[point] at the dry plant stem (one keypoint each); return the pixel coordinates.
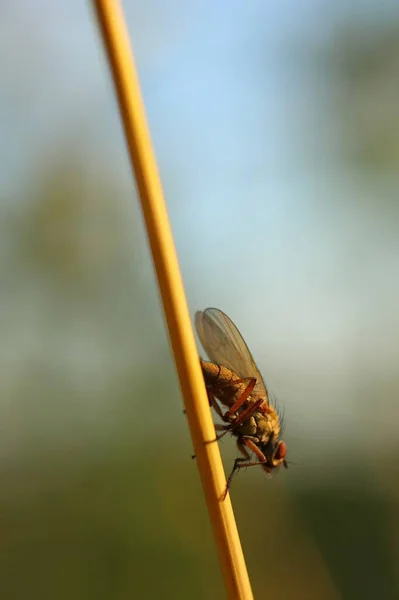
(119, 53)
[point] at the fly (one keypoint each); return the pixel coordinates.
(233, 381)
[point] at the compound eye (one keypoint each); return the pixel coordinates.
(281, 451)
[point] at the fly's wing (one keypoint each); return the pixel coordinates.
(225, 345)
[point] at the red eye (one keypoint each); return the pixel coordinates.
(281, 450)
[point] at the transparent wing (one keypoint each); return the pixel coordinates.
(225, 345)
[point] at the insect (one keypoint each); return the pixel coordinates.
(233, 380)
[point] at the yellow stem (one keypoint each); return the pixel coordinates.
(144, 165)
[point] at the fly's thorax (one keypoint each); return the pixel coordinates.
(248, 429)
(268, 426)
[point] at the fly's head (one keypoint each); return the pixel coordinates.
(275, 452)
(270, 427)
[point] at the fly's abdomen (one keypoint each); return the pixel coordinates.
(221, 381)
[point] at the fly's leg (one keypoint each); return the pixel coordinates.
(212, 390)
(243, 450)
(255, 449)
(224, 428)
(244, 396)
(214, 403)
(239, 403)
(236, 406)
(226, 416)
(246, 414)
(241, 418)
(233, 409)
(240, 463)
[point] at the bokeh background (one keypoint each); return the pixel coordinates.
(276, 128)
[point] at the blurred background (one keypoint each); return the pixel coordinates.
(276, 128)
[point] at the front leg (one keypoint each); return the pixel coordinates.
(240, 463)
(243, 444)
